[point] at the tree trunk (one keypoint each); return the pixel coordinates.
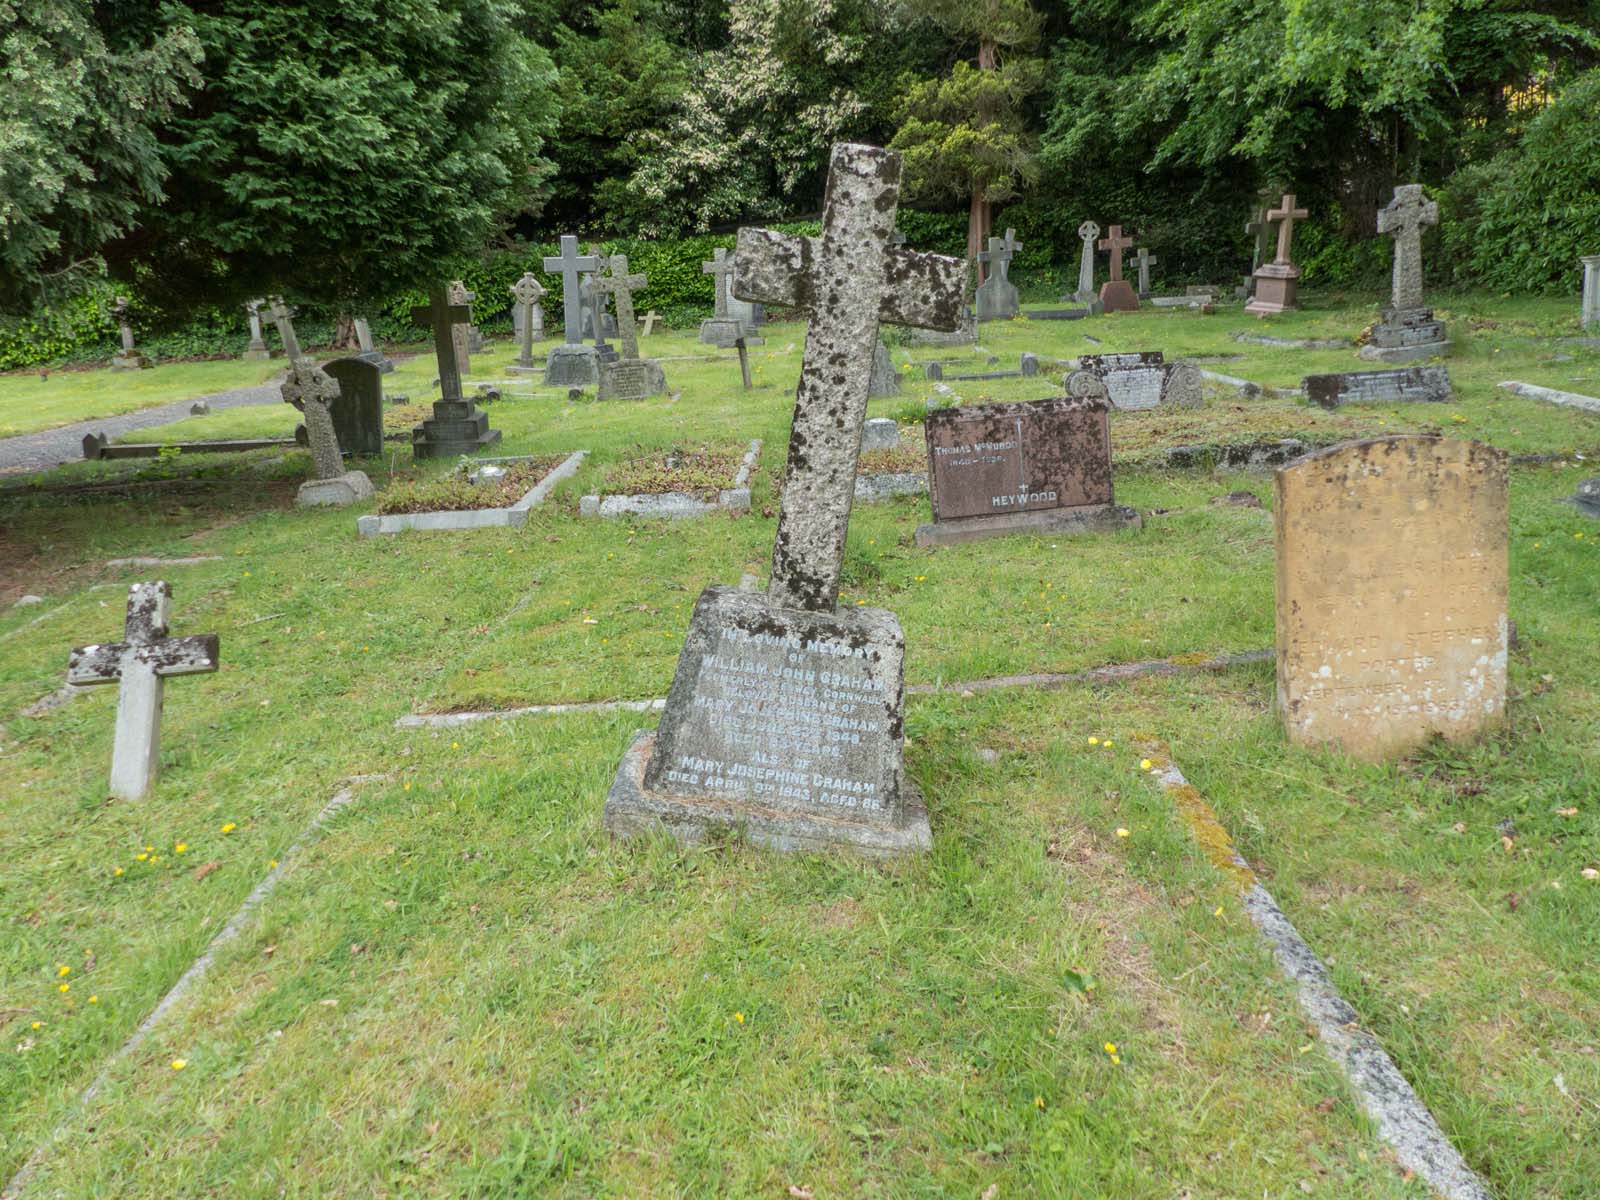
(979, 217)
(344, 332)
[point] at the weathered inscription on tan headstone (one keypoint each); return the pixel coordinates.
(1391, 621)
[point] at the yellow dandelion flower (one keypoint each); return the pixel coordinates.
(1145, 764)
(406, 787)
(1094, 741)
(1116, 1060)
(63, 970)
(149, 849)
(94, 999)
(141, 857)
(1108, 743)
(1121, 832)
(179, 1064)
(247, 574)
(1111, 1047)
(1038, 1102)
(455, 745)
(117, 871)
(860, 603)
(64, 988)
(739, 1017)
(1217, 912)
(272, 865)
(229, 827)
(180, 847)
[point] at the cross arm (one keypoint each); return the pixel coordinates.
(454, 314)
(772, 268)
(89, 665)
(196, 655)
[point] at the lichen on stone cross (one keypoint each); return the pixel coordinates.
(1115, 242)
(1405, 217)
(570, 264)
(623, 285)
(441, 316)
(720, 268)
(850, 278)
(312, 390)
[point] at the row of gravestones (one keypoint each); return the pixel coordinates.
(785, 716)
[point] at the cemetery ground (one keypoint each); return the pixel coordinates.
(460, 986)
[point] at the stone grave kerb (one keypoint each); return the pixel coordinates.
(570, 264)
(850, 279)
(139, 665)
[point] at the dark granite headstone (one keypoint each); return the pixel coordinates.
(1041, 466)
(358, 411)
(1404, 385)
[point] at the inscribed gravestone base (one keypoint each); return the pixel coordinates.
(1144, 379)
(785, 715)
(140, 665)
(1391, 593)
(1041, 466)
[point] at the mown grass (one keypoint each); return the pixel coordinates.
(35, 400)
(466, 989)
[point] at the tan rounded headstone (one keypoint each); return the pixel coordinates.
(1391, 621)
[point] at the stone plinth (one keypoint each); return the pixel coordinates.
(722, 332)
(1276, 288)
(631, 379)
(1391, 594)
(456, 427)
(572, 365)
(781, 723)
(343, 490)
(1117, 295)
(1406, 335)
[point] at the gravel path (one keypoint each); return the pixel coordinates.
(41, 451)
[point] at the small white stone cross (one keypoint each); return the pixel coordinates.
(140, 666)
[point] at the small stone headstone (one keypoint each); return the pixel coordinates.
(1043, 466)
(885, 379)
(140, 665)
(1590, 318)
(1392, 585)
(997, 296)
(879, 433)
(1403, 385)
(358, 410)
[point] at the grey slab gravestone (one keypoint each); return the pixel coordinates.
(885, 379)
(751, 317)
(997, 296)
(1408, 331)
(785, 715)
(1402, 385)
(358, 411)
(880, 433)
(1591, 292)
(572, 363)
(140, 664)
(314, 392)
(457, 426)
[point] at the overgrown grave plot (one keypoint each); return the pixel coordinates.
(1040, 999)
(478, 493)
(681, 481)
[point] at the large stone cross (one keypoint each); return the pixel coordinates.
(570, 263)
(313, 391)
(283, 318)
(1087, 232)
(850, 278)
(139, 665)
(441, 316)
(527, 292)
(1115, 242)
(1286, 214)
(720, 267)
(998, 255)
(1146, 261)
(1405, 217)
(622, 285)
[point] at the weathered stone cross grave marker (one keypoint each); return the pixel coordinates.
(572, 362)
(630, 377)
(140, 665)
(785, 712)
(257, 349)
(1087, 233)
(1146, 261)
(649, 323)
(456, 427)
(461, 332)
(1115, 293)
(1408, 331)
(1590, 312)
(527, 292)
(283, 318)
(313, 391)
(721, 329)
(997, 296)
(1277, 281)
(130, 359)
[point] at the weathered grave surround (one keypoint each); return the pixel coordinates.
(1116, 294)
(1042, 467)
(1408, 332)
(785, 715)
(257, 350)
(629, 377)
(128, 358)
(1402, 385)
(1590, 318)
(1276, 282)
(1391, 594)
(476, 518)
(313, 391)
(572, 363)
(722, 329)
(997, 296)
(1144, 379)
(456, 427)
(140, 665)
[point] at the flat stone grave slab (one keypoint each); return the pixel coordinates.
(1027, 367)
(677, 503)
(1145, 380)
(512, 516)
(1404, 385)
(1533, 391)
(1267, 339)
(1587, 497)
(97, 446)
(1041, 466)
(1391, 594)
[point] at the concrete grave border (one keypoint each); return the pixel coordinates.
(1533, 391)
(477, 518)
(677, 504)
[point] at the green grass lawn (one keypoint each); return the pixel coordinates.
(465, 989)
(30, 402)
